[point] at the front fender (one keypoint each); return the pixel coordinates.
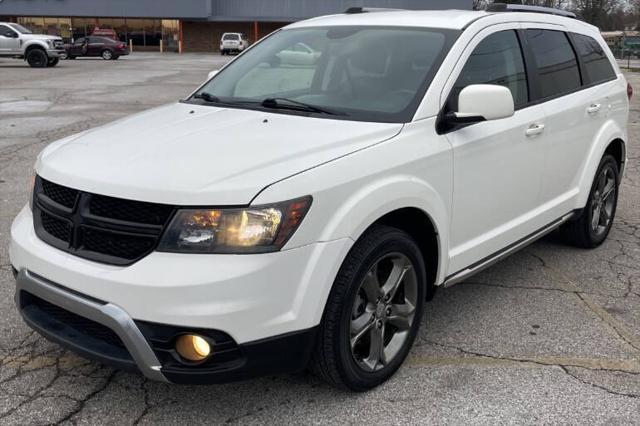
(411, 170)
(31, 43)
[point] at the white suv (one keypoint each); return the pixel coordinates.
(297, 213)
(233, 42)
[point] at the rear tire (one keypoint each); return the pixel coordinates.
(37, 58)
(53, 62)
(594, 224)
(107, 55)
(365, 312)
(115, 58)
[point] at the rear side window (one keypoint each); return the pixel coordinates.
(556, 62)
(496, 60)
(595, 61)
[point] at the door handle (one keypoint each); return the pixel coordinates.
(593, 108)
(534, 129)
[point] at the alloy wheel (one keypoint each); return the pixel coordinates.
(383, 311)
(603, 204)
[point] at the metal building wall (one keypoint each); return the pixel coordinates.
(291, 10)
(213, 10)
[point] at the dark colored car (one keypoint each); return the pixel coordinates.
(97, 46)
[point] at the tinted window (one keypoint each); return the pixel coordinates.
(556, 61)
(596, 63)
(4, 30)
(496, 60)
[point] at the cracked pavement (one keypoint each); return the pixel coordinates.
(549, 335)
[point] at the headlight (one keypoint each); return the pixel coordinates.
(50, 43)
(257, 229)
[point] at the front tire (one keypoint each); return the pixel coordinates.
(37, 58)
(373, 312)
(593, 226)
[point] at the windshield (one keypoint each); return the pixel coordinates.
(357, 72)
(21, 29)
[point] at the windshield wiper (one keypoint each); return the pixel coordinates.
(207, 97)
(285, 103)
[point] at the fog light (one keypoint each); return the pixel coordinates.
(193, 347)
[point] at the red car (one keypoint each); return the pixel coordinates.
(97, 46)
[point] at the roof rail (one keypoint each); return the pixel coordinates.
(353, 10)
(502, 7)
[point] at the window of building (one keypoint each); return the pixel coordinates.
(556, 61)
(35, 24)
(596, 63)
(496, 60)
(82, 26)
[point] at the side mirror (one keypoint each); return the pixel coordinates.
(212, 74)
(483, 102)
(10, 34)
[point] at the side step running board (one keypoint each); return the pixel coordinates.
(494, 258)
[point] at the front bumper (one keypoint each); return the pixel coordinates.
(266, 303)
(82, 325)
(57, 53)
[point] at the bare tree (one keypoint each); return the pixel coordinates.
(598, 12)
(482, 4)
(558, 4)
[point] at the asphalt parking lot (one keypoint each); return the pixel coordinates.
(550, 335)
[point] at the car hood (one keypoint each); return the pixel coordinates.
(39, 37)
(200, 155)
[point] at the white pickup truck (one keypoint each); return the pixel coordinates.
(39, 50)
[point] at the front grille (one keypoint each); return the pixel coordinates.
(132, 211)
(119, 245)
(60, 194)
(57, 228)
(97, 227)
